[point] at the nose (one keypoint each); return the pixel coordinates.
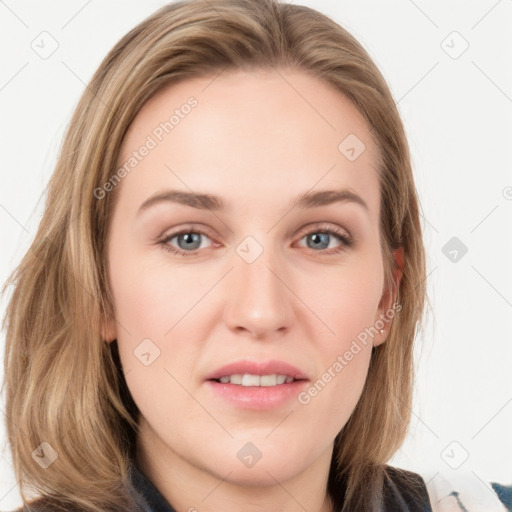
(259, 297)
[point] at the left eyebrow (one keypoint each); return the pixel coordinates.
(326, 197)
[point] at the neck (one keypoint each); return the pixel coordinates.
(196, 488)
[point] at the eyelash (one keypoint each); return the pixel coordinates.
(346, 241)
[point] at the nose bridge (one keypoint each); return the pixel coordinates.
(258, 299)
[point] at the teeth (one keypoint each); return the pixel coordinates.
(236, 379)
(268, 380)
(248, 379)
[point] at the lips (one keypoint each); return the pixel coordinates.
(258, 368)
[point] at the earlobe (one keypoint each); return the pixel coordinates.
(108, 330)
(389, 298)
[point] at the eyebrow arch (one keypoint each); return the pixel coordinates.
(199, 201)
(215, 203)
(326, 197)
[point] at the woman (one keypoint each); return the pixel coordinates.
(254, 369)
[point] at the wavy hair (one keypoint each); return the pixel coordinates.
(65, 392)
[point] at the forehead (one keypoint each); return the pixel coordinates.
(248, 131)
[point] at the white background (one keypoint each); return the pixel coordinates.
(458, 116)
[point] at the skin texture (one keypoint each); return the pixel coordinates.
(257, 139)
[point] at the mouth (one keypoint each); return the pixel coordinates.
(257, 373)
(256, 385)
(248, 379)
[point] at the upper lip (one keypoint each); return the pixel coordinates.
(257, 368)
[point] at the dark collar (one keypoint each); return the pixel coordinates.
(147, 495)
(404, 491)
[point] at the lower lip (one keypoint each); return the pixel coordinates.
(257, 397)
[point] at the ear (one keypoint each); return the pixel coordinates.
(108, 329)
(388, 299)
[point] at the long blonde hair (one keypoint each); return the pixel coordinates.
(64, 385)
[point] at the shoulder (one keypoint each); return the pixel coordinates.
(405, 490)
(438, 491)
(504, 493)
(465, 490)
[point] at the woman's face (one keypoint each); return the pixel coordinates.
(256, 280)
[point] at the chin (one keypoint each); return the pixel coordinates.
(260, 475)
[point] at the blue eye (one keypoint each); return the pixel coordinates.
(320, 239)
(189, 241)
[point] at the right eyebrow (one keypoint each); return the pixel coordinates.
(199, 201)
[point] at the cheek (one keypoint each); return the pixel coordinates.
(153, 329)
(347, 304)
(347, 301)
(149, 298)
(156, 321)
